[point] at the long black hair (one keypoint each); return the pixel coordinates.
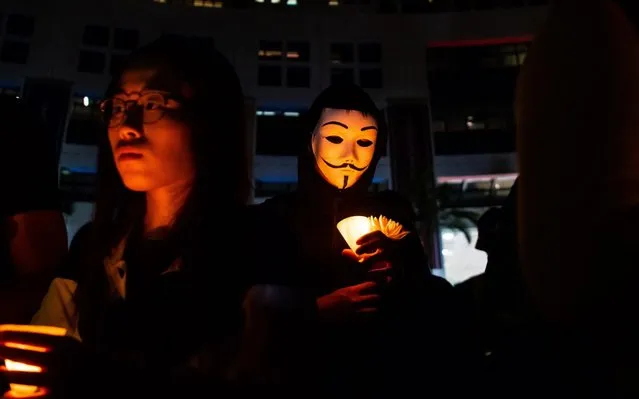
(215, 114)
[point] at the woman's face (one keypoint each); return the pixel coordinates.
(149, 137)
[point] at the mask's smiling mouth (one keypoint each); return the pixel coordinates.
(344, 165)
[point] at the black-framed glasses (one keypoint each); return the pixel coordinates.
(154, 105)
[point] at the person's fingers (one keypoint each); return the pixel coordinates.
(348, 253)
(370, 237)
(26, 378)
(366, 285)
(366, 299)
(381, 265)
(41, 342)
(38, 359)
(370, 248)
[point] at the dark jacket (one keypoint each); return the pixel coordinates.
(394, 350)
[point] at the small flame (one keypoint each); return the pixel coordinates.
(353, 228)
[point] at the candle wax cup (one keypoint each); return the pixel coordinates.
(21, 390)
(353, 228)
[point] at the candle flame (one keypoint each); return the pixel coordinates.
(355, 227)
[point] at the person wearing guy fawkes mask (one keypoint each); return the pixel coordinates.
(371, 313)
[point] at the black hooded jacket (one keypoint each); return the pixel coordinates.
(368, 355)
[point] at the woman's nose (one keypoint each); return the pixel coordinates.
(128, 132)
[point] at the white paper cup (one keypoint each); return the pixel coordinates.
(353, 228)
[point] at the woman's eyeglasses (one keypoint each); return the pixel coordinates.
(153, 106)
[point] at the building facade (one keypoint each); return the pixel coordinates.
(460, 56)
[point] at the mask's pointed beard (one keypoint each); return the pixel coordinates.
(345, 182)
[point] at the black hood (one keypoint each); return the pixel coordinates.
(346, 97)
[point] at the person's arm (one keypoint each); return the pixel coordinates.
(37, 248)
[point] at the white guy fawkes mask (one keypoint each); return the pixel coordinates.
(343, 143)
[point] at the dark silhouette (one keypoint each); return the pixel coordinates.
(363, 346)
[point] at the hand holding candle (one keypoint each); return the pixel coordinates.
(16, 347)
(369, 236)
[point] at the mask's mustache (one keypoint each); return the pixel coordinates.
(344, 165)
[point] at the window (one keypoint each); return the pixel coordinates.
(462, 5)
(342, 76)
(269, 75)
(371, 78)
(15, 52)
(468, 58)
(84, 123)
(342, 53)
(20, 25)
(298, 52)
(278, 133)
(10, 91)
(91, 62)
(208, 3)
(284, 64)
(270, 51)
(125, 39)
(298, 76)
(117, 63)
(362, 67)
(369, 53)
(96, 36)
(271, 189)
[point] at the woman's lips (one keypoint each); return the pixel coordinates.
(127, 156)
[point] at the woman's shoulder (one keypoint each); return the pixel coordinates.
(58, 307)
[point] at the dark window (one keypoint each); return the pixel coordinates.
(14, 52)
(509, 3)
(20, 25)
(342, 76)
(270, 189)
(270, 50)
(484, 4)
(85, 123)
(125, 39)
(298, 77)
(422, 6)
(388, 6)
(95, 35)
(462, 5)
(370, 52)
(91, 61)
(205, 43)
(78, 186)
(117, 63)
(298, 51)
(83, 131)
(278, 135)
(269, 75)
(371, 78)
(342, 53)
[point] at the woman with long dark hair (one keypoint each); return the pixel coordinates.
(152, 303)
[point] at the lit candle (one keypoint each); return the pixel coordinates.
(353, 228)
(20, 390)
